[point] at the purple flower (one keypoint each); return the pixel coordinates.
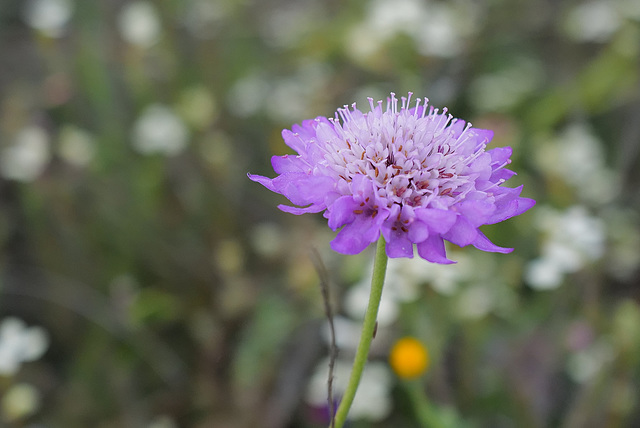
(414, 174)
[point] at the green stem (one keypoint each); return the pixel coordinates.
(368, 327)
(422, 406)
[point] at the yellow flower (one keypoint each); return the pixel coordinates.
(409, 358)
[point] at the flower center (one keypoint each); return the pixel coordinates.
(411, 155)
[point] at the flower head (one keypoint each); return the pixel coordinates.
(409, 358)
(414, 174)
(19, 343)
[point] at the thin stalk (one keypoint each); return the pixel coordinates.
(368, 327)
(422, 407)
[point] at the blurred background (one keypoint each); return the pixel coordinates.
(146, 282)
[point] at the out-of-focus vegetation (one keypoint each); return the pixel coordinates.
(146, 282)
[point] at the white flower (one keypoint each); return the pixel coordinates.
(26, 158)
(593, 21)
(373, 397)
(19, 343)
(573, 239)
(159, 130)
(577, 156)
(390, 18)
(76, 146)
(48, 16)
(248, 95)
(501, 90)
(162, 421)
(139, 24)
(202, 17)
(267, 239)
(475, 302)
(411, 273)
(284, 26)
(20, 401)
(357, 299)
(197, 106)
(361, 42)
(294, 95)
(587, 363)
(436, 29)
(438, 34)
(544, 274)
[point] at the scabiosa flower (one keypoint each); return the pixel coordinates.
(414, 174)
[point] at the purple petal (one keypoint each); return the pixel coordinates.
(499, 159)
(500, 155)
(482, 136)
(298, 211)
(457, 127)
(509, 204)
(501, 174)
(399, 245)
(294, 140)
(325, 133)
(307, 129)
(356, 236)
(361, 186)
(462, 233)
(432, 249)
(483, 243)
(417, 111)
(289, 163)
(303, 189)
(341, 212)
(477, 211)
(507, 193)
(399, 229)
(511, 209)
(438, 220)
(418, 231)
(265, 181)
(480, 167)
